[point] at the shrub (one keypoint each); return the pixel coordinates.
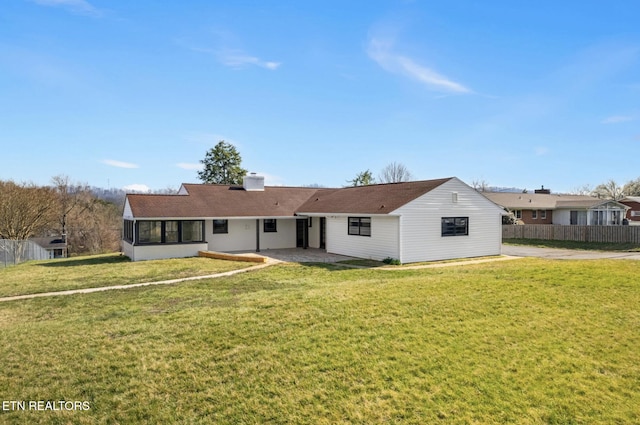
(392, 261)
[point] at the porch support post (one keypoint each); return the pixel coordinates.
(305, 244)
(257, 235)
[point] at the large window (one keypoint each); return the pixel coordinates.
(170, 231)
(455, 226)
(191, 231)
(150, 232)
(270, 225)
(220, 226)
(360, 226)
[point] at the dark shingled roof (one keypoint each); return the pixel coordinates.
(210, 201)
(372, 199)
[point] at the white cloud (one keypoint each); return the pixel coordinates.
(81, 7)
(234, 58)
(137, 187)
(617, 119)
(381, 51)
(189, 166)
(119, 164)
(239, 59)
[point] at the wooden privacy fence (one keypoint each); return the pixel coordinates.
(611, 234)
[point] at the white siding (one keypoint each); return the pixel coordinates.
(158, 252)
(382, 243)
(242, 235)
(421, 230)
(285, 237)
(127, 213)
(314, 233)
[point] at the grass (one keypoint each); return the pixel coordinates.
(597, 246)
(374, 263)
(529, 341)
(102, 270)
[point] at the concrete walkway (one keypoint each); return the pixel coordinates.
(135, 285)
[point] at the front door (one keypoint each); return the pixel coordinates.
(300, 232)
(323, 232)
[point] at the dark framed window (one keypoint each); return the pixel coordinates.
(359, 226)
(171, 232)
(127, 230)
(534, 214)
(455, 226)
(543, 214)
(150, 231)
(220, 226)
(192, 231)
(270, 225)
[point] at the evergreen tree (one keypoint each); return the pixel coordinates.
(222, 165)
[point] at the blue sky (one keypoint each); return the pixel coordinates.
(131, 94)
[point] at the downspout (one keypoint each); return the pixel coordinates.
(400, 239)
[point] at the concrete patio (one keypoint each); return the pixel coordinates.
(299, 255)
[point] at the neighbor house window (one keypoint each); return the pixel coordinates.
(171, 232)
(360, 226)
(150, 232)
(543, 214)
(220, 226)
(192, 231)
(518, 214)
(270, 225)
(534, 214)
(455, 226)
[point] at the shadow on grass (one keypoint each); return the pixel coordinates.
(332, 267)
(84, 261)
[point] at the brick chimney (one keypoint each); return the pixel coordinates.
(543, 190)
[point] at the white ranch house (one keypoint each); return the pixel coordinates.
(412, 221)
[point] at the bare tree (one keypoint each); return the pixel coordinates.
(632, 188)
(585, 189)
(608, 190)
(480, 185)
(25, 210)
(395, 173)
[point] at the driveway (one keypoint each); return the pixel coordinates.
(566, 254)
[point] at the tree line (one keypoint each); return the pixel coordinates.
(63, 209)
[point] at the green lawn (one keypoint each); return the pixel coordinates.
(526, 341)
(102, 270)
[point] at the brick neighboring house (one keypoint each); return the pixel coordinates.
(543, 207)
(633, 213)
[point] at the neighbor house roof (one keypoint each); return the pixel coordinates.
(212, 201)
(543, 201)
(51, 242)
